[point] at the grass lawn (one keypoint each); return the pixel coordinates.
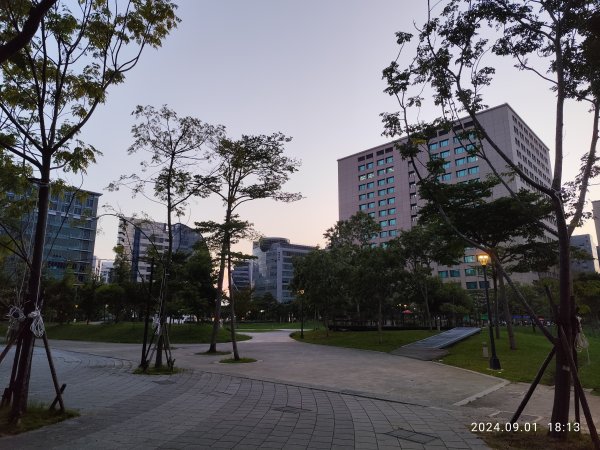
(132, 333)
(271, 326)
(522, 364)
(366, 340)
(37, 416)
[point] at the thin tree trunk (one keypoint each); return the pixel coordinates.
(236, 355)
(497, 318)
(380, 321)
(27, 339)
(507, 314)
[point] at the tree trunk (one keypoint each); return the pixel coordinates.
(508, 315)
(220, 279)
(27, 339)
(562, 382)
(236, 355)
(497, 314)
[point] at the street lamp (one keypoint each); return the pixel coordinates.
(494, 361)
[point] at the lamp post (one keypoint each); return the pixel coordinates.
(494, 361)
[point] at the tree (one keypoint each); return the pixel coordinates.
(417, 249)
(177, 148)
(50, 89)
(556, 41)
(29, 15)
(247, 169)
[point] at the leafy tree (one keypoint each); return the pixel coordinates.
(59, 296)
(114, 296)
(586, 287)
(251, 168)
(177, 148)
(417, 249)
(50, 89)
(29, 14)
(552, 40)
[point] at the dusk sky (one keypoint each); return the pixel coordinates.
(310, 69)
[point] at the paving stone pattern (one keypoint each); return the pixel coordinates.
(196, 409)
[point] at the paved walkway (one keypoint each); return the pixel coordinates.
(297, 396)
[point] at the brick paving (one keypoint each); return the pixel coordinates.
(198, 409)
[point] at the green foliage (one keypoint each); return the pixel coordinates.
(356, 231)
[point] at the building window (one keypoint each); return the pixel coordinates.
(371, 195)
(411, 174)
(371, 205)
(392, 222)
(472, 158)
(383, 223)
(444, 143)
(471, 284)
(371, 215)
(391, 200)
(445, 154)
(446, 177)
(362, 197)
(460, 161)
(471, 272)
(390, 180)
(413, 219)
(413, 196)
(382, 202)
(446, 165)
(383, 234)
(381, 182)
(454, 273)
(389, 160)
(471, 147)
(459, 150)
(392, 211)
(362, 177)
(443, 273)
(433, 146)
(362, 207)
(370, 165)
(383, 213)
(361, 168)
(473, 170)
(393, 232)
(469, 259)
(370, 185)
(381, 192)
(389, 169)
(380, 162)
(370, 175)
(461, 173)
(390, 190)
(362, 187)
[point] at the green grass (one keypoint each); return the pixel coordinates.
(366, 340)
(522, 364)
(238, 361)
(37, 416)
(133, 333)
(272, 326)
(536, 440)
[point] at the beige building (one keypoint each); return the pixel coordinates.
(381, 184)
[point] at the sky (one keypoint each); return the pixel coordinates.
(310, 69)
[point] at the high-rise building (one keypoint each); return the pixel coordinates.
(273, 268)
(139, 237)
(70, 234)
(241, 275)
(586, 243)
(380, 183)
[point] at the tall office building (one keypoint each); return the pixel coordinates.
(241, 275)
(585, 242)
(384, 186)
(138, 237)
(70, 234)
(273, 268)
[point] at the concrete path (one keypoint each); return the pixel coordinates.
(297, 396)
